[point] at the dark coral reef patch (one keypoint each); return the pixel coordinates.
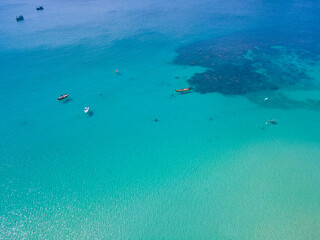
(230, 80)
(247, 62)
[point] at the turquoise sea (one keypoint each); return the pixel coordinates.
(147, 162)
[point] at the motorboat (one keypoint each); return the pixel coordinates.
(19, 18)
(272, 121)
(63, 97)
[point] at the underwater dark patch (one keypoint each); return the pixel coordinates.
(230, 80)
(250, 62)
(228, 48)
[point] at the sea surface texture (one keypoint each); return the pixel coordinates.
(147, 162)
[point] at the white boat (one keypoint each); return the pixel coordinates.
(86, 109)
(272, 121)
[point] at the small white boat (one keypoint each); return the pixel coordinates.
(86, 109)
(272, 121)
(266, 99)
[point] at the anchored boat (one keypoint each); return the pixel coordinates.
(63, 97)
(20, 18)
(183, 89)
(272, 121)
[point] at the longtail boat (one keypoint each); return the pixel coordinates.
(183, 89)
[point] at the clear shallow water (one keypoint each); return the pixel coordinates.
(209, 168)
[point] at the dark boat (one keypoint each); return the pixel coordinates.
(40, 8)
(183, 89)
(63, 96)
(20, 18)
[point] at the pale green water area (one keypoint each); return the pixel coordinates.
(208, 168)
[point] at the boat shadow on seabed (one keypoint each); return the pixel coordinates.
(66, 100)
(90, 113)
